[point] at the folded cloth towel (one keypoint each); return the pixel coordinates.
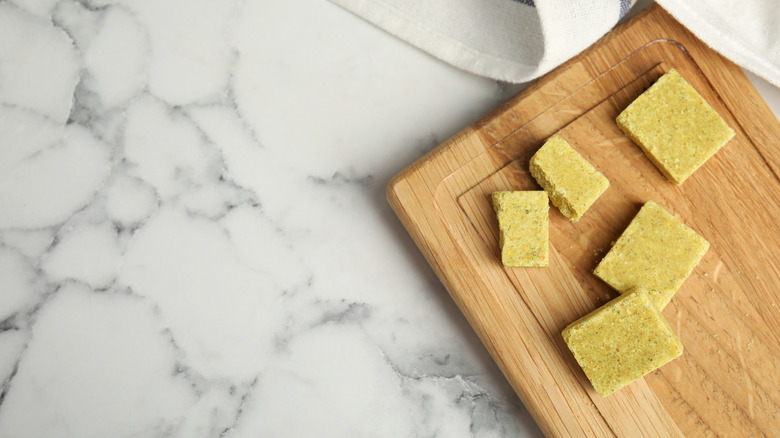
(519, 40)
(746, 32)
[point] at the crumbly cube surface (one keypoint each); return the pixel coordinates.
(572, 183)
(524, 227)
(675, 127)
(656, 252)
(622, 341)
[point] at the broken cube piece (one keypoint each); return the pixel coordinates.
(572, 183)
(656, 252)
(622, 341)
(675, 127)
(523, 227)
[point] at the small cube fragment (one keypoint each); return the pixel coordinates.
(524, 227)
(622, 341)
(675, 127)
(656, 252)
(572, 183)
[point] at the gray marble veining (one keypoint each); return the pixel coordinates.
(194, 240)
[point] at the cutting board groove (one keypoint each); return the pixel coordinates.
(727, 313)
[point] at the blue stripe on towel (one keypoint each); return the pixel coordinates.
(527, 2)
(625, 5)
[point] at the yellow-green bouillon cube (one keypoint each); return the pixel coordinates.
(675, 127)
(572, 183)
(656, 252)
(622, 341)
(523, 222)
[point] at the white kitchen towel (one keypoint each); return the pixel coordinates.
(519, 40)
(747, 32)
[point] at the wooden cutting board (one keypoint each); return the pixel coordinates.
(727, 313)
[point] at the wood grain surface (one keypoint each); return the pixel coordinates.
(727, 313)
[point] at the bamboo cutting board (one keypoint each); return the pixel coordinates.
(727, 313)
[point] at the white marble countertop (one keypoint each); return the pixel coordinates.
(194, 236)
